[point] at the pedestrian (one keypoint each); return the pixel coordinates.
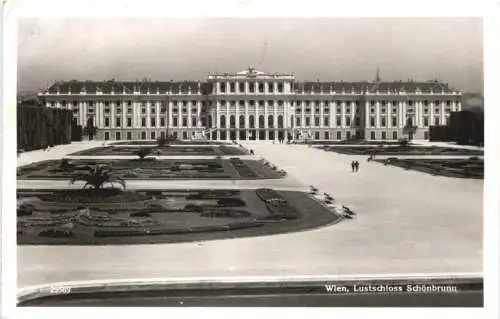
(353, 166)
(356, 165)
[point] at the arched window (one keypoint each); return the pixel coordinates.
(232, 121)
(251, 121)
(280, 121)
(222, 121)
(261, 121)
(242, 121)
(270, 121)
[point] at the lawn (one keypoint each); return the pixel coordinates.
(462, 168)
(112, 216)
(164, 150)
(151, 168)
(401, 150)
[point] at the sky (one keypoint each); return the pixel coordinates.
(328, 49)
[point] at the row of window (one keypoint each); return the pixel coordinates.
(252, 87)
(223, 135)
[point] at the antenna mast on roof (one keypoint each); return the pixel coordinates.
(377, 77)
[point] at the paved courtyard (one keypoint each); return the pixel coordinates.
(407, 223)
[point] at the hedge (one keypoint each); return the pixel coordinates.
(39, 127)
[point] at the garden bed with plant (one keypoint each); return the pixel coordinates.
(402, 150)
(151, 168)
(61, 217)
(176, 142)
(164, 150)
(462, 168)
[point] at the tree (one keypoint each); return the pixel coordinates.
(96, 176)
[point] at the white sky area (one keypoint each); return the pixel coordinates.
(328, 49)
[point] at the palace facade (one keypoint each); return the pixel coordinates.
(251, 105)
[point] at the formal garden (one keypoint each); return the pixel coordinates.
(472, 167)
(96, 215)
(401, 150)
(158, 169)
(163, 150)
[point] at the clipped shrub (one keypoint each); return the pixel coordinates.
(56, 233)
(141, 214)
(225, 202)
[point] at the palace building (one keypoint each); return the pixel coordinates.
(253, 105)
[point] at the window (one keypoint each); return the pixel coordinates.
(175, 110)
(251, 87)
(270, 102)
(106, 103)
(308, 110)
(372, 135)
(241, 87)
(162, 121)
(308, 121)
(223, 87)
(129, 121)
(106, 110)
(153, 135)
(394, 110)
(143, 135)
(436, 121)
(326, 110)
(118, 110)
(394, 121)
(382, 122)
(194, 110)
(75, 103)
(193, 121)
(106, 122)
(91, 103)
(348, 110)
(184, 135)
(384, 136)
(106, 136)
(426, 102)
(426, 110)
(153, 110)
(129, 110)
(261, 103)
(280, 87)
(372, 103)
(261, 87)
(394, 135)
(251, 102)
(338, 121)
(339, 110)
(357, 121)
(316, 121)
(143, 122)
(326, 135)
(129, 135)
(184, 122)
(426, 121)
(426, 135)
(118, 136)
(316, 135)
(297, 121)
(326, 121)
(382, 110)
(348, 135)
(232, 87)
(339, 135)
(143, 110)
(372, 121)
(153, 122)
(348, 121)
(118, 122)
(242, 103)
(223, 102)
(436, 110)
(129, 103)
(184, 103)
(270, 87)
(316, 110)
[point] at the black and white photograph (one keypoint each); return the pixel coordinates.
(225, 161)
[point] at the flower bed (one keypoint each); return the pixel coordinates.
(443, 167)
(242, 168)
(105, 195)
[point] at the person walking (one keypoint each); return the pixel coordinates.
(353, 165)
(356, 166)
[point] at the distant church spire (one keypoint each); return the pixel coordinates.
(377, 78)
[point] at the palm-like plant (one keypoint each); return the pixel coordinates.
(96, 176)
(143, 152)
